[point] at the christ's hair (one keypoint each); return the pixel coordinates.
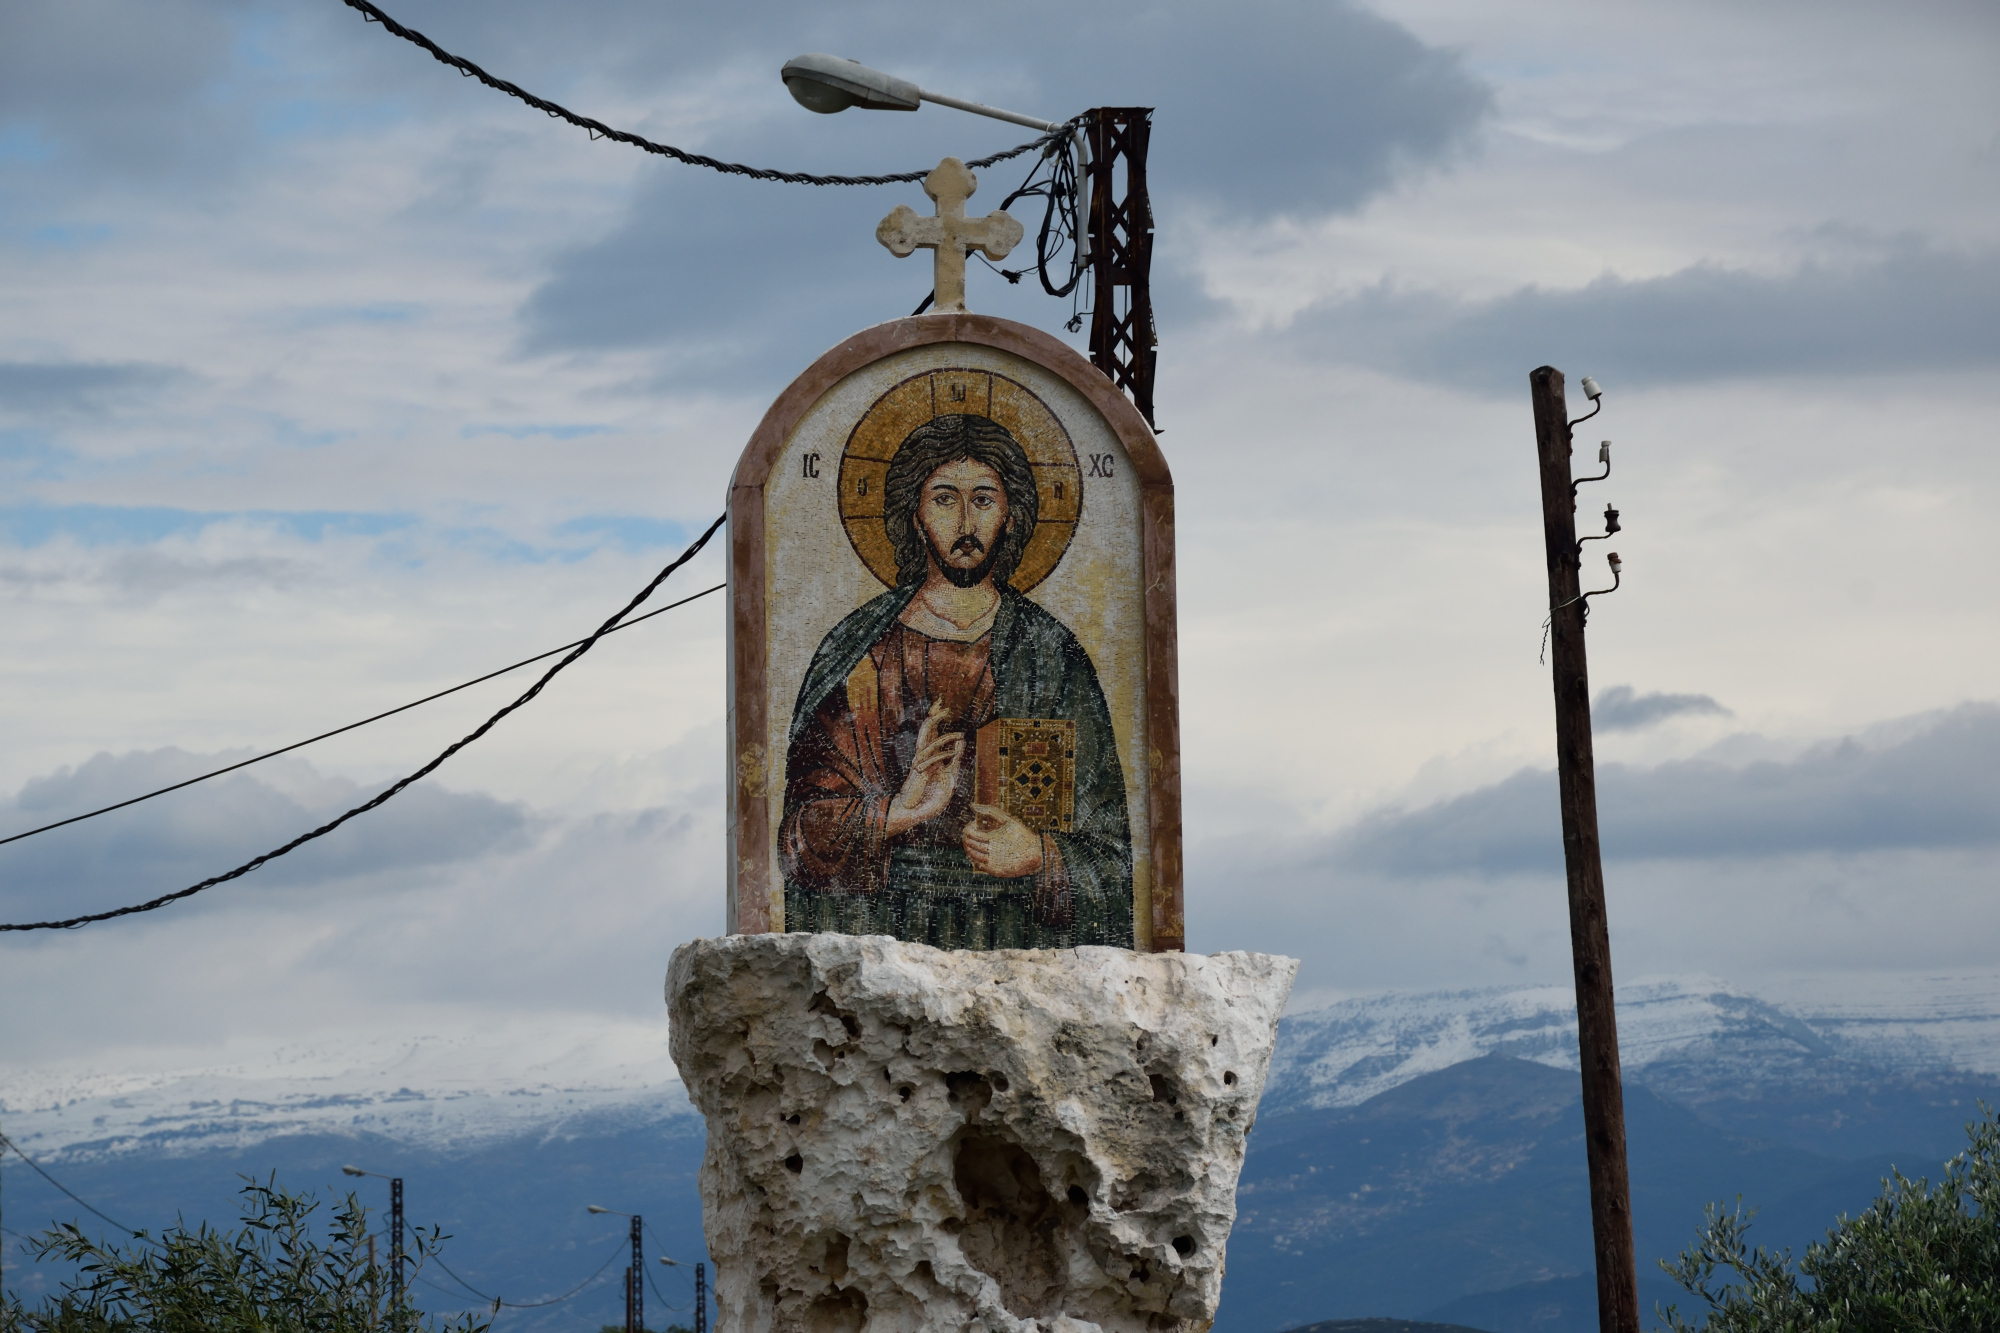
(951, 439)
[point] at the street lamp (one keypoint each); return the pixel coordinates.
(700, 1272)
(395, 1231)
(635, 1276)
(827, 84)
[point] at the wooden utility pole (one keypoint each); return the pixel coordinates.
(1589, 932)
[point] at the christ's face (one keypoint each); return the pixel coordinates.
(963, 513)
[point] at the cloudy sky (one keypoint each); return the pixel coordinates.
(330, 378)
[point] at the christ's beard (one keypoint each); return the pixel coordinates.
(964, 578)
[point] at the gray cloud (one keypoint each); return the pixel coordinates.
(120, 83)
(1620, 708)
(1933, 790)
(586, 915)
(80, 386)
(1274, 107)
(1914, 308)
(1271, 104)
(1279, 106)
(657, 279)
(133, 83)
(176, 840)
(146, 575)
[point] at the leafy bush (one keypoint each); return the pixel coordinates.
(1921, 1259)
(273, 1276)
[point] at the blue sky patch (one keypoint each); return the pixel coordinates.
(70, 235)
(28, 454)
(23, 143)
(375, 312)
(627, 532)
(555, 430)
(137, 525)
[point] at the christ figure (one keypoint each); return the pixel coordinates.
(881, 832)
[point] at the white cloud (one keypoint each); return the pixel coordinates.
(363, 478)
(572, 915)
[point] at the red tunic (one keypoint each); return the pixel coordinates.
(851, 763)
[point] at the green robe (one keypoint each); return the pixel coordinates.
(844, 875)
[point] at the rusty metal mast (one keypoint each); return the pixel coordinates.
(1122, 343)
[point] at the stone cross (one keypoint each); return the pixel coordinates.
(951, 234)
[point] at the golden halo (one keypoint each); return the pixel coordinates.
(864, 464)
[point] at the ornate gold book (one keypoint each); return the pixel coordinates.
(1027, 767)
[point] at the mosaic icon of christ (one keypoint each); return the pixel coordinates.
(883, 830)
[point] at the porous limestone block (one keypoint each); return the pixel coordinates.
(908, 1138)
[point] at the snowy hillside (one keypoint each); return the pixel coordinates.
(1345, 1052)
(433, 1091)
(579, 1074)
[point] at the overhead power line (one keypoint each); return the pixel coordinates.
(6, 1143)
(337, 731)
(381, 797)
(599, 130)
(659, 1296)
(498, 1303)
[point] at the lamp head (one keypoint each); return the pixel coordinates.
(352, 1171)
(827, 84)
(593, 1208)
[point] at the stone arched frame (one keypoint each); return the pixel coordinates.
(752, 875)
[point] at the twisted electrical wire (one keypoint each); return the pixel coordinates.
(1059, 221)
(599, 130)
(380, 798)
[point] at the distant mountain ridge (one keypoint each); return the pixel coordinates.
(1417, 1155)
(1344, 1052)
(1697, 1040)
(432, 1091)
(1841, 1065)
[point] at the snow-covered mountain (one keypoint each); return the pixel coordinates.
(454, 1091)
(435, 1091)
(1344, 1052)
(1801, 1092)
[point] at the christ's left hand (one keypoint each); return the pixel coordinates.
(1002, 845)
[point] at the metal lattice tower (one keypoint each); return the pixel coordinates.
(1123, 338)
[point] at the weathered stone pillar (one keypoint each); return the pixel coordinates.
(905, 1138)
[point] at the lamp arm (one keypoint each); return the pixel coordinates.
(981, 109)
